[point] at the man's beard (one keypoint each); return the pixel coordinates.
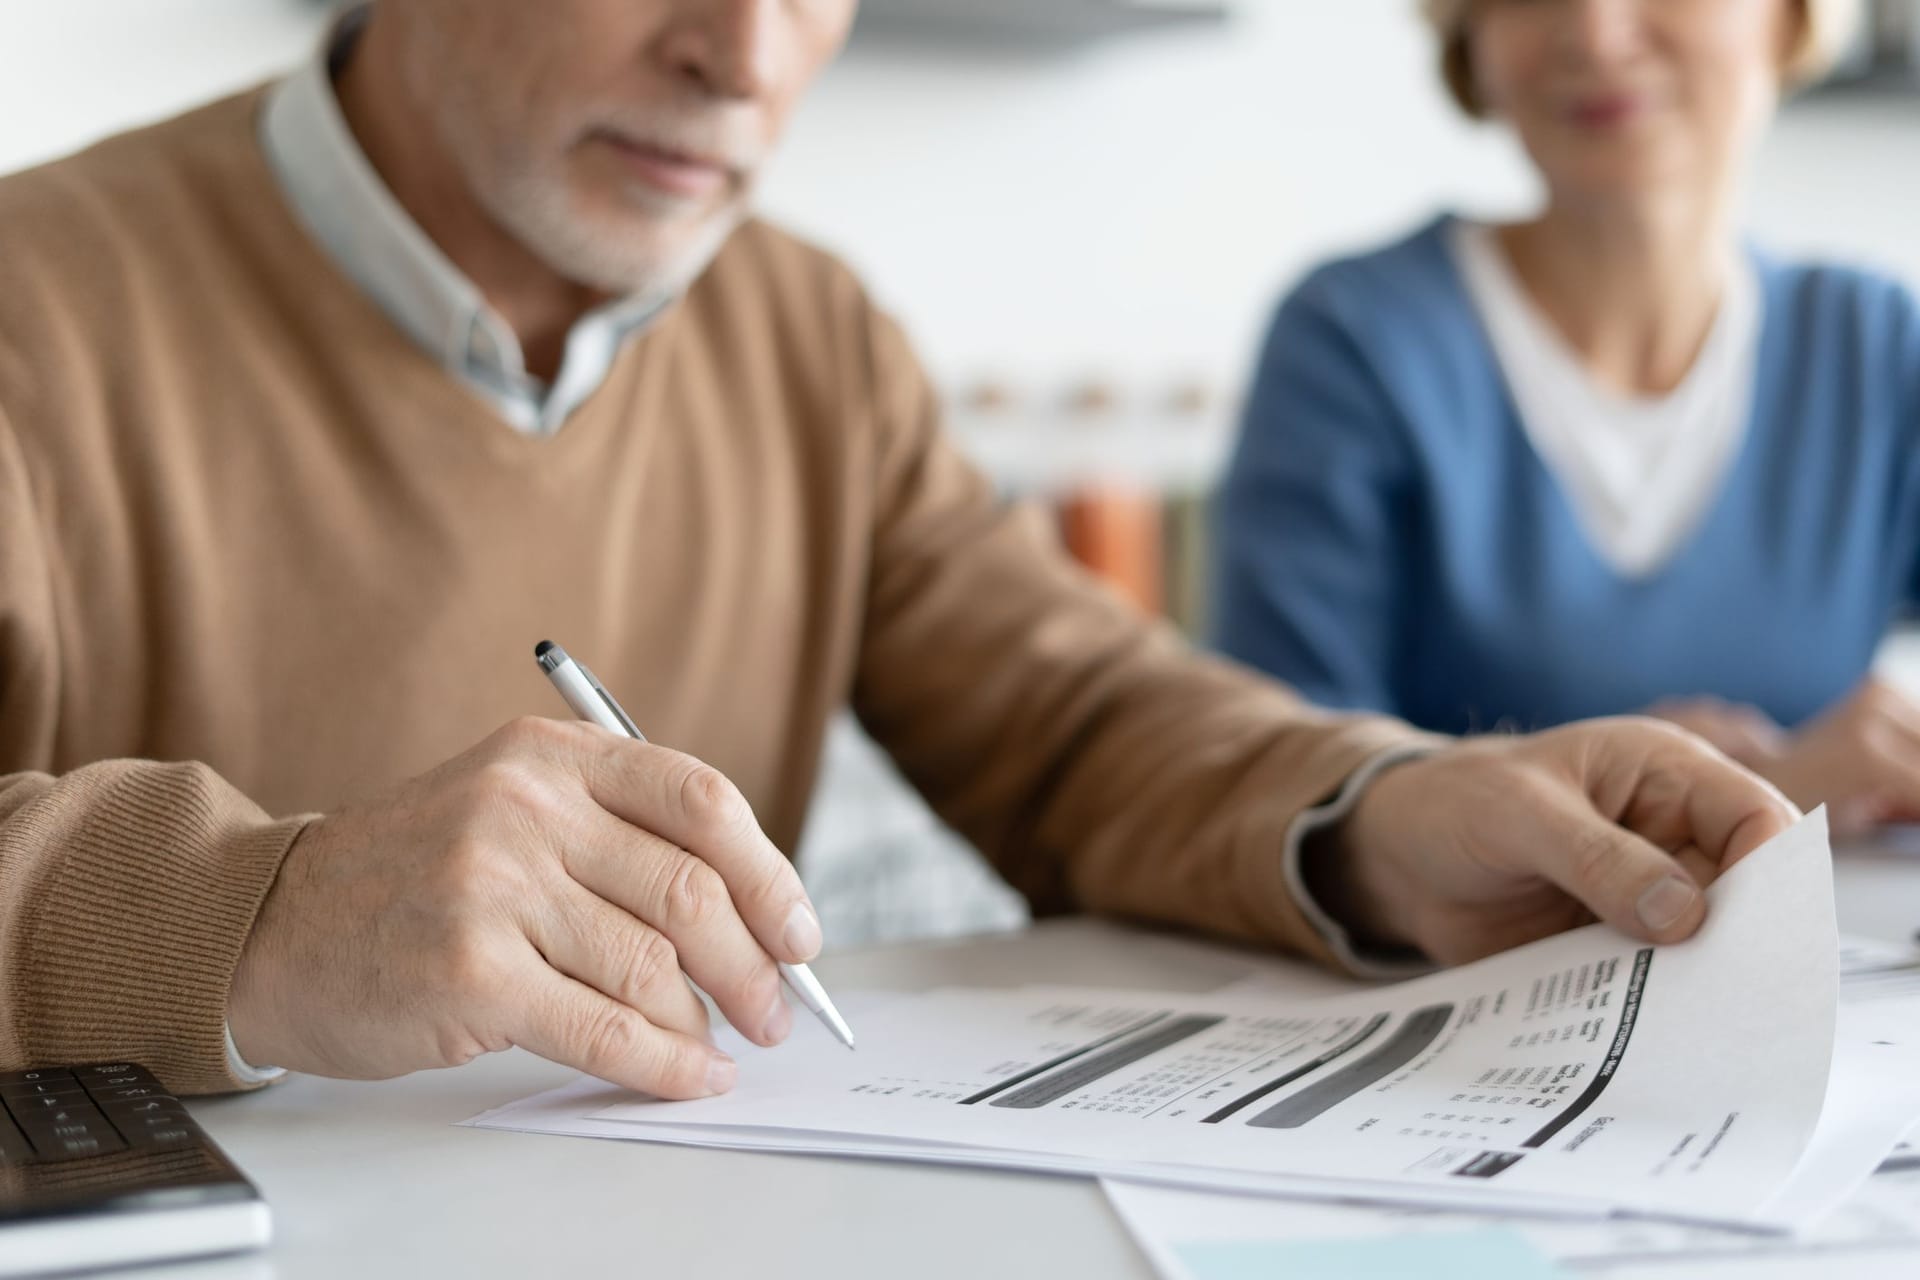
(537, 210)
(525, 189)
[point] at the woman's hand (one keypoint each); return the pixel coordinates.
(1860, 758)
(1745, 733)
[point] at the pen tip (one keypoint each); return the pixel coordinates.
(540, 650)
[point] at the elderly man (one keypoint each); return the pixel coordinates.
(320, 405)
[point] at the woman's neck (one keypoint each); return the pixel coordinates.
(1632, 287)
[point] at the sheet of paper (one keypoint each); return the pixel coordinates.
(1485, 1253)
(1583, 1070)
(1876, 1077)
(1873, 1095)
(1173, 1226)
(571, 1109)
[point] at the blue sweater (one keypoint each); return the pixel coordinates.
(1390, 540)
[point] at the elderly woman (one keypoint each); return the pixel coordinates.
(1610, 458)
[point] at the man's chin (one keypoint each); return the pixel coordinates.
(634, 255)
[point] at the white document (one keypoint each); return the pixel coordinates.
(1178, 1229)
(1582, 1072)
(1876, 1079)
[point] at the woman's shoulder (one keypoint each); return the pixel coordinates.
(1828, 298)
(1415, 267)
(1401, 310)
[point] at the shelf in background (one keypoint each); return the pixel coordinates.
(1047, 456)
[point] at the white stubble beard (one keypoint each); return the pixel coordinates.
(537, 209)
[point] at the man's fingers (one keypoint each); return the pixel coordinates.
(1634, 886)
(690, 905)
(570, 1023)
(596, 943)
(1723, 810)
(694, 806)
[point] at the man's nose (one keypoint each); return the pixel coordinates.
(732, 48)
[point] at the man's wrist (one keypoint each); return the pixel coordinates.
(1331, 874)
(1320, 869)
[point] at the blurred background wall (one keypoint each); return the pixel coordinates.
(1128, 204)
(1091, 228)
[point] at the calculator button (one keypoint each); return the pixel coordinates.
(73, 1138)
(161, 1136)
(102, 1084)
(128, 1091)
(118, 1107)
(39, 1103)
(114, 1070)
(97, 1143)
(30, 1077)
(77, 1109)
(28, 1088)
(170, 1119)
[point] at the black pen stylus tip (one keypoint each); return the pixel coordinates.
(540, 650)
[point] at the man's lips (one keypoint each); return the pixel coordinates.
(680, 173)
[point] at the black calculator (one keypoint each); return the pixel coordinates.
(100, 1166)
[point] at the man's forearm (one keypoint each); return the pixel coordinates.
(126, 891)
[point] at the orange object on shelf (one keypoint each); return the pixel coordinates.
(1117, 534)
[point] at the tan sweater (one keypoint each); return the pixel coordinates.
(260, 556)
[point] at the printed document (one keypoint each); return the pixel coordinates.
(1583, 1073)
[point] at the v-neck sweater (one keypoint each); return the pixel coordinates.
(261, 557)
(1391, 538)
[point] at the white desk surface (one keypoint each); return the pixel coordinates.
(373, 1180)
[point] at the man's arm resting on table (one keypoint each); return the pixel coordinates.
(1102, 765)
(127, 890)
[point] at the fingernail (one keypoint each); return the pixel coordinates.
(803, 932)
(722, 1071)
(1665, 901)
(778, 1023)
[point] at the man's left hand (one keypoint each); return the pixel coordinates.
(1499, 841)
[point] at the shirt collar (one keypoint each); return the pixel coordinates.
(341, 199)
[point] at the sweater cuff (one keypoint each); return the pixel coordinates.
(1386, 965)
(138, 885)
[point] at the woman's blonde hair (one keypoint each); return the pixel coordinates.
(1825, 28)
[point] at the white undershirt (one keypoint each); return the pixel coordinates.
(1639, 472)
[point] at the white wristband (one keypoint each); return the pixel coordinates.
(1331, 931)
(244, 1071)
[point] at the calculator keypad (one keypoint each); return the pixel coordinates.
(59, 1114)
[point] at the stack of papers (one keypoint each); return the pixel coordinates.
(1222, 1236)
(1723, 1081)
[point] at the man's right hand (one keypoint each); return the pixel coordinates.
(553, 888)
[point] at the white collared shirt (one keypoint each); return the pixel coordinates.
(1639, 472)
(338, 196)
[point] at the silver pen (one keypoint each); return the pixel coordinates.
(592, 703)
